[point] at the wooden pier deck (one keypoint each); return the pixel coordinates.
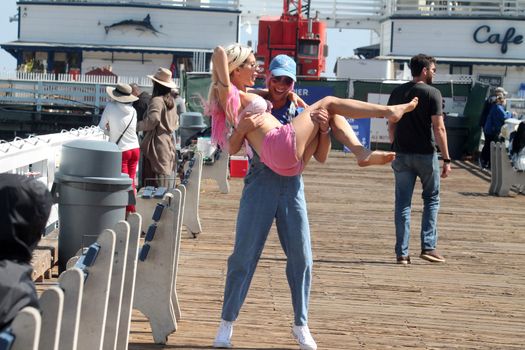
(360, 298)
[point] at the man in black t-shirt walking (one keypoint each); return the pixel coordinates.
(414, 140)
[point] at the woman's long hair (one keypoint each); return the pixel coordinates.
(519, 139)
(165, 92)
(222, 120)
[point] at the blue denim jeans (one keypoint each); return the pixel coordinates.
(267, 196)
(407, 167)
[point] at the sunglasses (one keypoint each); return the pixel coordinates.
(283, 79)
(253, 66)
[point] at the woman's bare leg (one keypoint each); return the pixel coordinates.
(345, 134)
(306, 130)
(358, 109)
(310, 150)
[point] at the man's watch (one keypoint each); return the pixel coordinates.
(446, 160)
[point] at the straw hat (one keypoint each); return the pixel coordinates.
(121, 93)
(163, 77)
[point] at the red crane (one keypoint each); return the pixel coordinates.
(295, 35)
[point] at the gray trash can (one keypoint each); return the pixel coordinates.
(91, 193)
(191, 123)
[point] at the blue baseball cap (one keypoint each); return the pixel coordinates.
(283, 65)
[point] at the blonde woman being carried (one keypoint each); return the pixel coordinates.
(286, 149)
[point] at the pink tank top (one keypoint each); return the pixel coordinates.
(257, 105)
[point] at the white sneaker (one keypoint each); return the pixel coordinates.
(224, 335)
(304, 337)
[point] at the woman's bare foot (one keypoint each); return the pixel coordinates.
(399, 110)
(376, 158)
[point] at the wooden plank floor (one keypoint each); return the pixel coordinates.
(360, 298)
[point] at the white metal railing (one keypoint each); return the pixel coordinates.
(76, 78)
(345, 13)
(456, 78)
(41, 89)
(39, 156)
(47, 94)
(359, 13)
(460, 8)
(208, 4)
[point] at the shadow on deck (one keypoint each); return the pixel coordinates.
(360, 297)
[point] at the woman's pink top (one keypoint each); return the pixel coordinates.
(279, 145)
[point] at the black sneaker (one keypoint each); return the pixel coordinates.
(404, 260)
(432, 256)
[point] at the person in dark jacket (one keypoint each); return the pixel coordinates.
(140, 105)
(25, 204)
(495, 120)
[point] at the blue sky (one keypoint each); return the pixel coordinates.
(341, 43)
(8, 32)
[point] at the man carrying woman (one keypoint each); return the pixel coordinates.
(268, 195)
(285, 149)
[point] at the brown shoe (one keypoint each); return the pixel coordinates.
(432, 256)
(404, 260)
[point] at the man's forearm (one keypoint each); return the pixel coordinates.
(441, 140)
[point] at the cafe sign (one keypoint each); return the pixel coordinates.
(483, 34)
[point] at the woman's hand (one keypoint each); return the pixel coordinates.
(321, 117)
(296, 100)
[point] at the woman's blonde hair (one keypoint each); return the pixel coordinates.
(237, 54)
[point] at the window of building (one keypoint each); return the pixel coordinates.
(33, 62)
(464, 69)
(65, 62)
(309, 48)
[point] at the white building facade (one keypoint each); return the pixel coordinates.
(128, 38)
(491, 50)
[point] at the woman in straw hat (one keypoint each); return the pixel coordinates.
(160, 121)
(119, 120)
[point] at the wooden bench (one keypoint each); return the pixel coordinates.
(45, 256)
